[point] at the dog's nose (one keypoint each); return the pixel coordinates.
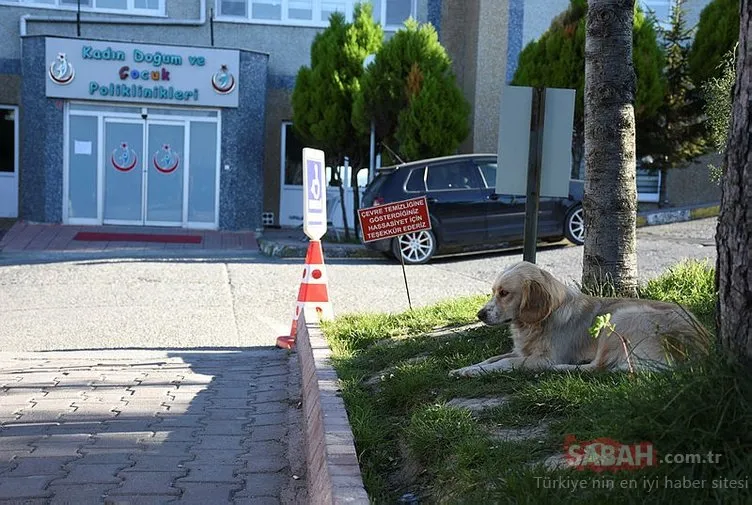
(482, 313)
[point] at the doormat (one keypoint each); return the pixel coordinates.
(95, 236)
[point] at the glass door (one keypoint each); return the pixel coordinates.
(8, 162)
(123, 171)
(167, 159)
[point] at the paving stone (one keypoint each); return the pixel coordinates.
(274, 419)
(219, 442)
(269, 407)
(174, 435)
(264, 449)
(25, 430)
(206, 493)
(217, 457)
(78, 493)
(8, 456)
(279, 395)
(167, 420)
(156, 463)
(146, 483)
(268, 432)
(227, 427)
(128, 425)
(139, 500)
(262, 484)
(31, 466)
(119, 439)
(264, 464)
(243, 499)
(110, 456)
(208, 473)
(24, 487)
(90, 474)
(168, 448)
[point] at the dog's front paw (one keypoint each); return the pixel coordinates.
(468, 371)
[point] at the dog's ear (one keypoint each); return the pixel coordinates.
(536, 304)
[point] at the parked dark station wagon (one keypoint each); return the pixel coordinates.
(467, 213)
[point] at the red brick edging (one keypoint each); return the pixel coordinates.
(333, 475)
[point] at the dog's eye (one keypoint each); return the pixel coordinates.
(503, 293)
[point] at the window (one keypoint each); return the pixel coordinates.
(488, 172)
(292, 156)
(266, 9)
(148, 7)
(415, 181)
(450, 176)
(390, 13)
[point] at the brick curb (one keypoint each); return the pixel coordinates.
(333, 475)
(677, 215)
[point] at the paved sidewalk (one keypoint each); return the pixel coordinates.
(26, 237)
(150, 427)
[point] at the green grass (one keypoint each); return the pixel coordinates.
(395, 383)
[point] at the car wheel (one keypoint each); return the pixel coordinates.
(415, 248)
(574, 225)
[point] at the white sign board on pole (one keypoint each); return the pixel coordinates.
(314, 193)
(514, 141)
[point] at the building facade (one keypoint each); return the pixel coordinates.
(178, 112)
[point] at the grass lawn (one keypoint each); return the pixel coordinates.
(501, 438)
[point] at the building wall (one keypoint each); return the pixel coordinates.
(692, 184)
(242, 150)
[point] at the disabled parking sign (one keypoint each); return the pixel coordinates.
(314, 193)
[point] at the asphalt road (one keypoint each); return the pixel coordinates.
(55, 303)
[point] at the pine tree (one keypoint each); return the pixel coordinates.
(557, 60)
(412, 96)
(324, 93)
(717, 34)
(678, 135)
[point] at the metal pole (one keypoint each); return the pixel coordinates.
(404, 275)
(372, 159)
(211, 25)
(78, 18)
(534, 174)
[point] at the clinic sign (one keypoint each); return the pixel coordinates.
(141, 73)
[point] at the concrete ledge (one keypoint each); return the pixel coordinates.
(333, 476)
(676, 215)
(289, 249)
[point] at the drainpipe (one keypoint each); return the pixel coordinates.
(117, 20)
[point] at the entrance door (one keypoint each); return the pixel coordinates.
(124, 171)
(165, 148)
(8, 162)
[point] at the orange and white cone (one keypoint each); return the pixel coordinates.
(313, 294)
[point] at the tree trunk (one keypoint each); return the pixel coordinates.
(610, 201)
(734, 233)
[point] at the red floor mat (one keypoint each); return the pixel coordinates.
(95, 236)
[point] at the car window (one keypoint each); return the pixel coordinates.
(415, 180)
(451, 176)
(488, 172)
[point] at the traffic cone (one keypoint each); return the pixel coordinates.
(313, 294)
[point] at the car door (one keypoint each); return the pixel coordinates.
(505, 211)
(455, 199)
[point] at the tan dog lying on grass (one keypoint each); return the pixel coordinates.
(550, 325)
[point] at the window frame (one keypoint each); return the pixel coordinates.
(130, 10)
(315, 22)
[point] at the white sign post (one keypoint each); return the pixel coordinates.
(314, 193)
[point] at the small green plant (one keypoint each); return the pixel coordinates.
(718, 94)
(603, 324)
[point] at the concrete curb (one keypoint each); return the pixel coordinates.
(289, 249)
(676, 215)
(333, 475)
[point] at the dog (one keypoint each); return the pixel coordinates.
(551, 324)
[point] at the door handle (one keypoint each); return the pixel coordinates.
(432, 200)
(493, 196)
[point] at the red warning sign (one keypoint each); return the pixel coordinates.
(394, 219)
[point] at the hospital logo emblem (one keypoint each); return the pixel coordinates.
(166, 160)
(223, 81)
(124, 158)
(61, 70)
